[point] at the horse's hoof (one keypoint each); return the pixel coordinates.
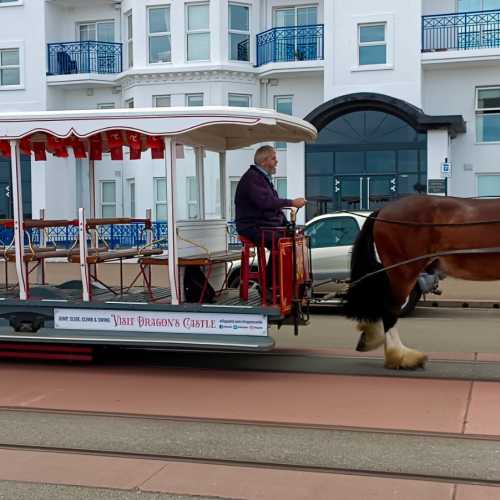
(404, 359)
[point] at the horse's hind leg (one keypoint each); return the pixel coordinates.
(372, 335)
(398, 356)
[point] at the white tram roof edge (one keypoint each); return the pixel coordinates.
(218, 128)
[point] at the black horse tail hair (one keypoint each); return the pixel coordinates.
(369, 299)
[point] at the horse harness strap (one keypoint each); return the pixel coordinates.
(465, 251)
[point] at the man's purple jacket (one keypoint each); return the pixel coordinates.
(257, 202)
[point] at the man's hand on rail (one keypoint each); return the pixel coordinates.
(298, 202)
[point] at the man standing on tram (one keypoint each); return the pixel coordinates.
(258, 206)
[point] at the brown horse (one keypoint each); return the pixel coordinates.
(439, 228)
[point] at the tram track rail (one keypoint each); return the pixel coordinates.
(426, 456)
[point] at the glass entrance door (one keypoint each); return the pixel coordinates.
(380, 190)
(364, 192)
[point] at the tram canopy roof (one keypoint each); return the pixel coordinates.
(217, 128)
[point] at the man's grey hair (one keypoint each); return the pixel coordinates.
(262, 153)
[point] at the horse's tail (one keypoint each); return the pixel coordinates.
(367, 300)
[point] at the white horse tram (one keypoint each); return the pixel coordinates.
(138, 313)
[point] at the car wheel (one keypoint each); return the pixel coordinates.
(411, 301)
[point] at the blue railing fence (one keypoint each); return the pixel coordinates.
(84, 57)
(292, 43)
(461, 31)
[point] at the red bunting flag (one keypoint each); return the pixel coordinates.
(115, 144)
(78, 147)
(57, 146)
(39, 150)
(95, 147)
(135, 154)
(25, 146)
(134, 144)
(4, 148)
(157, 146)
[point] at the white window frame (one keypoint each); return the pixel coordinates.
(295, 9)
(155, 100)
(188, 32)
(237, 94)
(95, 23)
(162, 33)
(240, 32)
(158, 202)
(195, 94)
(489, 174)
(107, 203)
(192, 202)
(131, 199)
(106, 105)
(129, 26)
(375, 19)
(19, 47)
(376, 43)
(481, 112)
(281, 146)
(12, 3)
(459, 11)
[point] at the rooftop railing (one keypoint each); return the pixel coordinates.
(461, 31)
(291, 43)
(84, 57)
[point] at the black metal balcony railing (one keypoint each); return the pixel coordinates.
(293, 43)
(461, 31)
(84, 57)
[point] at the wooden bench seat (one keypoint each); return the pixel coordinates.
(194, 260)
(94, 257)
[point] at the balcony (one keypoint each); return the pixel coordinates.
(461, 31)
(71, 58)
(289, 44)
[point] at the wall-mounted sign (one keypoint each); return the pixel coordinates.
(436, 186)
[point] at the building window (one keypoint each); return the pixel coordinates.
(239, 100)
(281, 186)
(296, 16)
(198, 32)
(160, 187)
(131, 196)
(159, 34)
(108, 199)
(194, 99)
(477, 5)
(283, 104)
(239, 32)
(130, 41)
(192, 197)
(161, 101)
(10, 67)
(106, 105)
(11, 2)
(372, 45)
(102, 31)
(488, 186)
(488, 115)
(129, 103)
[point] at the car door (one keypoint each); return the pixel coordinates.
(331, 246)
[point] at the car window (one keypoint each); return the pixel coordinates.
(332, 232)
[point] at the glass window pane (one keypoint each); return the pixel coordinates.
(197, 17)
(129, 27)
(162, 101)
(211, 174)
(408, 161)
(491, 4)
(161, 211)
(238, 46)
(372, 54)
(106, 32)
(488, 185)
(238, 17)
(349, 162)
(159, 20)
(87, 32)
(108, 192)
(319, 186)
(284, 105)
(319, 162)
(469, 5)
(306, 16)
(194, 100)
(186, 169)
(161, 190)
(285, 17)
(380, 161)
(10, 77)
(198, 46)
(238, 100)
(159, 49)
(375, 33)
(281, 187)
(108, 210)
(488, 128)
(488, 98)
(10, 57)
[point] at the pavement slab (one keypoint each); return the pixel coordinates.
(391, 403)
(484, 409)
(473, 492)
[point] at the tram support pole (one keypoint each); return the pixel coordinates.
(173, 266)
(17, 202)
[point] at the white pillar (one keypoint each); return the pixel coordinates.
(173, 268)
(17, 202)
(84, 268)
(438, 149)
(43, 244)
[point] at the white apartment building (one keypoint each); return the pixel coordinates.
(403, 93)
